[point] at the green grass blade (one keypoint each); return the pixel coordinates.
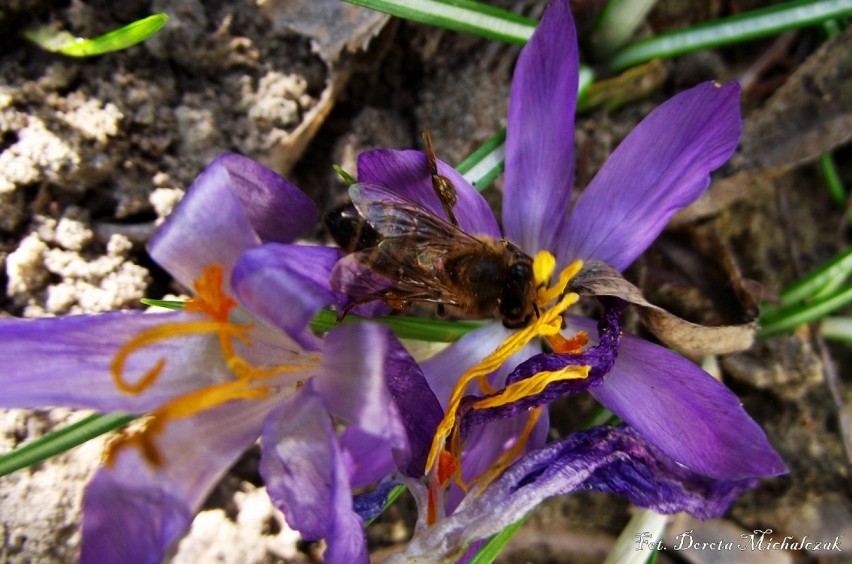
(392, 497)
(116, 40)
(837, 329)
(62, 440)
(832, 179)
(430, 330)
(736, 29)
(492, 548)
(789, 319)
(166, 304)
(617, 22)
(826, 278)
(459, 15)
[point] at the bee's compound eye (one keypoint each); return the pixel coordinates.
(519, 272)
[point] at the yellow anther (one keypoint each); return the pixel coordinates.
(549, 323)
(544, 264)
(532, 386)
(544, 297)
(509, 456)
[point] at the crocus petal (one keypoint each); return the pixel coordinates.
(685, 412)
(661, 167)
(74, 355)
(134, 513)
(234, 204)
(278, 211)
(540, 133)
(285, 285)
(407, 173)
(305, 476)
(445, 368)
(611, 459)
(353, 385)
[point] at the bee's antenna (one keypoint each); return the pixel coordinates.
(441, 184)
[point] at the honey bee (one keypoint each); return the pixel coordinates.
(404, 253)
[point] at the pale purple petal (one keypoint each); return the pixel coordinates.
(208, 226)
(234, 204)
(540, 133)
(367, 457)
(305, 475)
(610, 459)
(352, 383)
(135, 513)
(407, 173)
(661, 167)
(65, 361)
(285, 285)
(685, 412)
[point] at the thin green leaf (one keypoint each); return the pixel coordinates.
(122, 38)
(430, 330)
(832, 179)
(736, 29)
(392, 497)
(459, 15)
(347, 178)
(167, 304)
(492, 548)
(62, 440)
(837, 329)
(787, 320)
(822, 281)
(617, 23)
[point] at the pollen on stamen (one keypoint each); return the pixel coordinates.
(547, 324)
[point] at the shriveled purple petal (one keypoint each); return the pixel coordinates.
(599, 358)
(370, 505)
(610, 459)
(540, 133)
(65, 361)
(407, 172)
(305, 475)
(661, 167)
(285, 285)
(135, 513)
(685, 412)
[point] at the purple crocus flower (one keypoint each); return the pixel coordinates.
(661, 167)
(237, 363)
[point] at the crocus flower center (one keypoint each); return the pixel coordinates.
(444, 461)
(250, 381)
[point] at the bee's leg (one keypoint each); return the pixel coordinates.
(536, 310)
(441, 184)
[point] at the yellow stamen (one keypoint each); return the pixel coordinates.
(509, 456)
(532, 386)
(543, 266)
(549, 323)
(212, 302)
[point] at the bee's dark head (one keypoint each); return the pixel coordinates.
(517, 305)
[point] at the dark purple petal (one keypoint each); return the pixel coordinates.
(540, 133)
(278, 211)
(418, 408)
(610, 459)
(661, 167)
(370, 505)
(135, 513)
(305, 475)
(686, 413)
(65, 361)
(285, 285)
(407, 172)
